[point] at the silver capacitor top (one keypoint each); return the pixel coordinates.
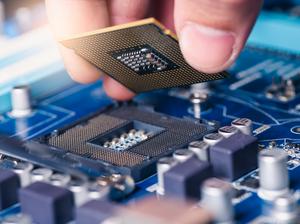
(217, 199)
(181, 155)
(41, 174)
(244, 125)
(21, 101)
(23, 169)
(227, 131)
(212, 138)
(273, 174)
(59, 179)
(201, 149)
(80, 191)
(163, 165)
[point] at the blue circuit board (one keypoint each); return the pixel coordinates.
(225, 105)
(243, 94)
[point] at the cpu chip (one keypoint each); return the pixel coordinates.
(141, 55)
(126, 139)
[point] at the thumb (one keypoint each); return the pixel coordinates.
(212, 33)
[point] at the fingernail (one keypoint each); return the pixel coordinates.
(206, 48)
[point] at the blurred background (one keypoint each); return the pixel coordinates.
(19, 16)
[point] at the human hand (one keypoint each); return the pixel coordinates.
(211, 33)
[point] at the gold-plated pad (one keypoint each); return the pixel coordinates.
(142, 55)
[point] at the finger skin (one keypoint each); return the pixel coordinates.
(212, 33)
(163, 11)
(67, 17)
(123, 11)
(116, 90)
(225, 23)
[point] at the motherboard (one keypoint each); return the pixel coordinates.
(223, 151)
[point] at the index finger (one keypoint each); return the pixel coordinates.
(67, 17)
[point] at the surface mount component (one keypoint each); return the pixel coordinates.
(182, 155)
(163, 165)
(184, 180)
(142, 55)
(212, 138)
(46, 203)
(217, 199)
(235, 156)
(105, 138)
(21, 101)
(201, 149)
(273, 174)
(244, 125)
(228, 131)
(9, 185)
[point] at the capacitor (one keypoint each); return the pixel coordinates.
(228, 131)
(197, 99)
(182, 155)
(285, 209)
(59, 179)
(244, 125)
(201, 149)
(23, 169)
(212, 138)
(273, 174)
(21, 101)
(80, 192)
(41, 174)
(217, 199)
(163, 165)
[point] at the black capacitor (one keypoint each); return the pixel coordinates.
(9, 185)
(235, 156)
(184, 179)
(46, 203)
